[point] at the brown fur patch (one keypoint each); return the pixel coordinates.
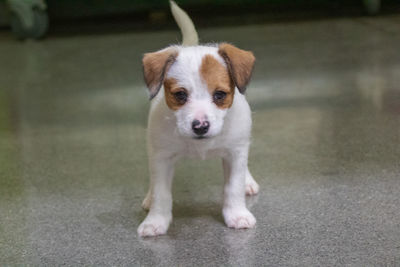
(217, 78)
(171, 86)
(155, 65)
(240, 64)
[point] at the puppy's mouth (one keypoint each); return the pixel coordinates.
(200, 137)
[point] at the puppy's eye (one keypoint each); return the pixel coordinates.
(181, 97)
(219, 96)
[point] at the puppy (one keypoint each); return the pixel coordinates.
(198, 109)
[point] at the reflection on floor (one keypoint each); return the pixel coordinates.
(325, 151)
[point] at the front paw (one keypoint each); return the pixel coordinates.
(154, 225)
(238, 218)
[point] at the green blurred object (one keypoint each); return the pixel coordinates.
(372, 6)
(28, 18)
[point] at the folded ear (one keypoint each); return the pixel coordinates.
(155, 66)
(240, 64)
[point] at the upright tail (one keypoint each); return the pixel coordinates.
(189, 34)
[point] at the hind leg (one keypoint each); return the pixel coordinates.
(252, 187)
(147, 200)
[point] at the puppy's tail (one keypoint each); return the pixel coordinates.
(189, 34)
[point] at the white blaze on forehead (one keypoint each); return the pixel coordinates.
(201, 109)
(186, 69)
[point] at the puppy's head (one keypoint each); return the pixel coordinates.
(199, 83)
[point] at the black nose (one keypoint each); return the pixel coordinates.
(200, 128)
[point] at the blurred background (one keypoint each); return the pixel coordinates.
(325, 150)
(30, 18)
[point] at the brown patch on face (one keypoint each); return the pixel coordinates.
(171, 87)
(217, 78)
(155, 66)
(240, 64)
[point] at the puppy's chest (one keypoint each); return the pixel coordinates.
(201, 149)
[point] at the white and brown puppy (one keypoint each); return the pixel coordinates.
(198, 110)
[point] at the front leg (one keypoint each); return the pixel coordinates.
(235, 213)
(160, 214)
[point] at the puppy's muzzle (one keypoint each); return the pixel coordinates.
(200, 128)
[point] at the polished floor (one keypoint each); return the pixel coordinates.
(325, 97)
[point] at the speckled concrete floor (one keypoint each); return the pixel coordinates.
(325, 150)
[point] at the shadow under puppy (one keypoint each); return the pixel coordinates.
(198, 110)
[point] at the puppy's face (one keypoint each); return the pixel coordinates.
(199, 90)
(199, 84)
